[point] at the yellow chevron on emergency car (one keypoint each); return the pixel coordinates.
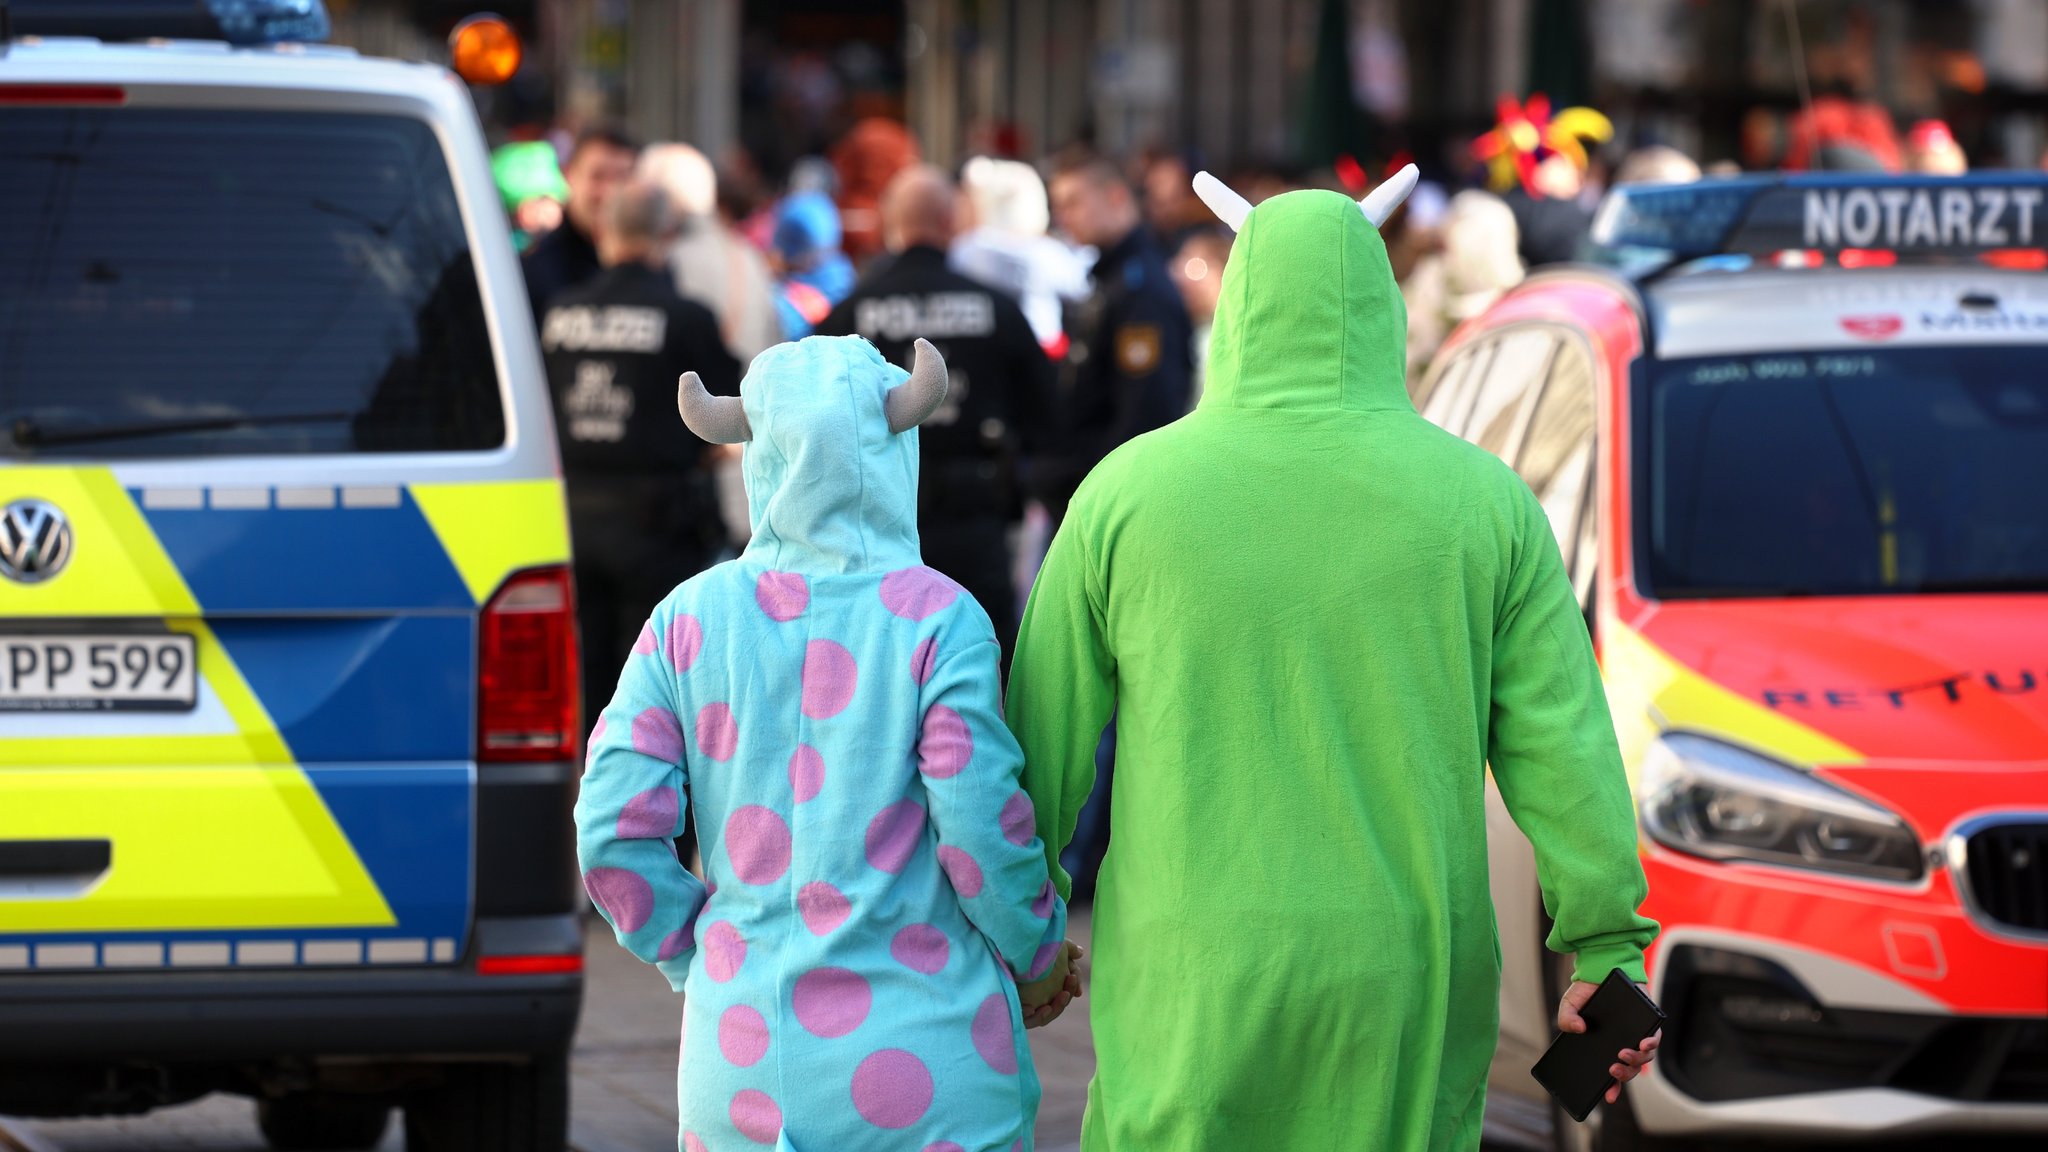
(494, 529)
(1651, 692)
(117, 568)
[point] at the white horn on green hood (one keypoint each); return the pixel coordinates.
(715, 419)
(918, 397)
(1381, 201)
(1228, 206)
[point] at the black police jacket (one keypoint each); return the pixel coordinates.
(999, 393)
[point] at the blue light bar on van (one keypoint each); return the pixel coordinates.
(1824, 212)
(246, 23)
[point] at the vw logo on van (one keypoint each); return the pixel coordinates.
(35, 541)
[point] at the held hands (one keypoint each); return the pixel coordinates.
(1045, 998)
(1631, 1061)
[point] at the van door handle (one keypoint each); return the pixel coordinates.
(52, 869)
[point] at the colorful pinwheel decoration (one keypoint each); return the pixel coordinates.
(1528, 133)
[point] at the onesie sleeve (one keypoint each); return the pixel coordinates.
(1553, 753)
(988, 837)
(1062, 687)
(629, 812)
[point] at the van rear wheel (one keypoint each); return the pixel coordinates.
(322, 1122)
(493, 1108)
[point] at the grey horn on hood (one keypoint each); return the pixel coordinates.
(715, 419)
(910, 402)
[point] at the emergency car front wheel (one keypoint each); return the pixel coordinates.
(319, 1122)
(522, 1107)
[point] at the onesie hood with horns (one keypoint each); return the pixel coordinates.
(1309, 317)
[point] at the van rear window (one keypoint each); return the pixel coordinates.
(200, 282)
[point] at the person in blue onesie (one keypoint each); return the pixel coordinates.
(874, 883)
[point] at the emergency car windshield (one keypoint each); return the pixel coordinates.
(1848, 472)
(188, 282)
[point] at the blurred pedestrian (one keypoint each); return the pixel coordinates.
(1657, 164)
(970, 449)
(1171, 211)
(642, 515)
(812, 274)
(710, 262)
(1197, 270)
(530, 184)
(1841, 133)
(601, 160)
(1477, 262)
(865, 160)
(1129, 356)
(1931, 149)
(1004, 245)
(1537, 162)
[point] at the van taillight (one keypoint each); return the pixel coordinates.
(527, 680)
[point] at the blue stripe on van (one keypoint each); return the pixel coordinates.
(356, 689)
(336, 559)
(412, 827)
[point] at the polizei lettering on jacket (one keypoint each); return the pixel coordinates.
(1973, 217)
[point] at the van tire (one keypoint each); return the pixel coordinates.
(493, 1108)
(322, 1122)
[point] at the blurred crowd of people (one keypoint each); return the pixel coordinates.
(1072, 300)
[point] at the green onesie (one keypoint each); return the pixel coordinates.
(1317, 619)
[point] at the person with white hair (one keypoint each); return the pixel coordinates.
(1007, 249)
(1477, 262)
(709, 261)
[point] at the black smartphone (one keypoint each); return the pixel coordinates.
(1574, 1070)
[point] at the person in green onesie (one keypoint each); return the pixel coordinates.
(1318, 619)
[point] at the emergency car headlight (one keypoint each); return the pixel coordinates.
(1710, 799)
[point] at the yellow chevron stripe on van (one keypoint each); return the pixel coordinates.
(494, 529)
(1649, 691)
(117, 568)
(210, 829)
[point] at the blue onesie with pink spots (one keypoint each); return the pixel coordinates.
(873, 877)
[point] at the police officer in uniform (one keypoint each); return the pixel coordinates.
(969, 487)
(1129, 362)
(642, 514)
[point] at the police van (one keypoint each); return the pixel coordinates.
(1793, 443)
(288, 705)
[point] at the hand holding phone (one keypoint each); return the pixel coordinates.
(1607, 1035)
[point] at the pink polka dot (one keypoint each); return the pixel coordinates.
(717, 736)
(924, 660)
(757, 843)
(782, 595)
(685, 640)
(1042, 906)
(915, 593)
(944, 1146)
(1041, 960)
(993, 1036)
(823, 907)
(656, 734)
(806, 772)
(691, 1143)
(742, 1036)
(1020, 820)
(892, 1089)
(946, 745)
(828, 679)
(675, 943)
(651, 815)
(831, 1002)
(724, 951)
(625, 896)
(756, 1116)
(643, 644)
(961, 870)
(921, 948)
(893, 835)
